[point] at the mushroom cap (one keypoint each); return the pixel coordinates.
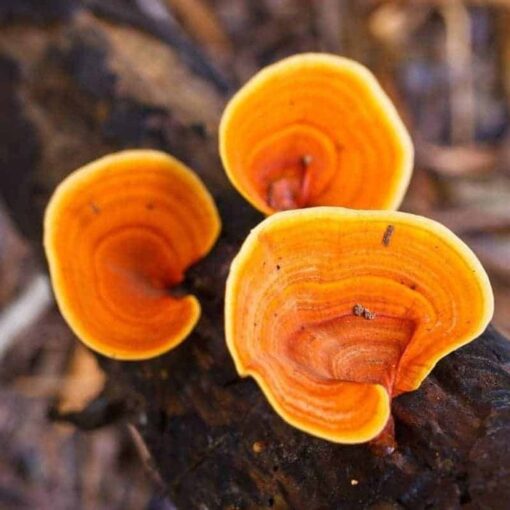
(119, 233)
(335, 311)
(315, 129)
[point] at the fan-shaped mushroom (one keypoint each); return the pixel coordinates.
(315, 129)
(119, 233)
(335, 311)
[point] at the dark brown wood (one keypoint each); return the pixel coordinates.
(75, 85)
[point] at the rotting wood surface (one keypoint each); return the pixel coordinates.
(79, 80)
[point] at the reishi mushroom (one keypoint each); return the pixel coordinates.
(119, 233)
(315, 129)
(334, 312)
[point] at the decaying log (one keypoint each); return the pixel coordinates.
(78, 81)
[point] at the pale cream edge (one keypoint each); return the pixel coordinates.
(282, 218)
(70, 184)
(267, 73)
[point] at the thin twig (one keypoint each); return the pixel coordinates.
(25, 310)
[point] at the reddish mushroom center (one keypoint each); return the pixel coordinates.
(291, 188)
(291, 167)
(134, 270)
(351, 348)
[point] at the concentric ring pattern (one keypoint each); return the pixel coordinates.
(315, 129)
(335, 311)
(119, 234)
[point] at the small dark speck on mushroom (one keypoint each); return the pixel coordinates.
(361, 311)
(358, 310)
(368, 315)
(149, 206)
(387, 235)
(306, 160)
(95, 208)
(278, 267)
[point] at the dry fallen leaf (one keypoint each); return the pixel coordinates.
(457, 160)
(82, 383)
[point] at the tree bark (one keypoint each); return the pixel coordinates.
(79, 80)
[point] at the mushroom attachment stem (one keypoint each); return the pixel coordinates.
(385, 444)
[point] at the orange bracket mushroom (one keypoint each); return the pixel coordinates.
(315, 129)
(119, 233)
(334, 312)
